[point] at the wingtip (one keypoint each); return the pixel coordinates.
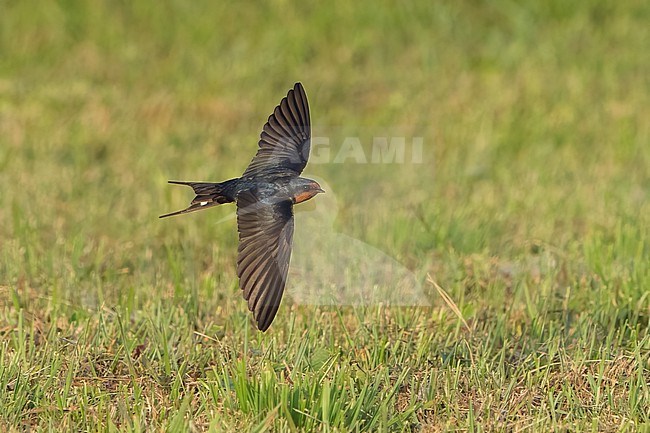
(267, 315)
(264, 323)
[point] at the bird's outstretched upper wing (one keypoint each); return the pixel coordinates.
(265, 238)
(285, 140)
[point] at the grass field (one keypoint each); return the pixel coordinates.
(530, 209)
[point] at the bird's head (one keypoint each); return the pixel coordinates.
(303, 189)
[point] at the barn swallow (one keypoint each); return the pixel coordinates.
(265, 195)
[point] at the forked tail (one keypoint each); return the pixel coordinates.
(207, 195)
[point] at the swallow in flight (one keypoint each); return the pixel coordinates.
(265, 195)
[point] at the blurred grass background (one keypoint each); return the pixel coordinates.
(530, 209)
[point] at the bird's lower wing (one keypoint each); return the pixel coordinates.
(265, 239)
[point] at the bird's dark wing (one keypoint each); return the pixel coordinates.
(285, 140)
(265, 238)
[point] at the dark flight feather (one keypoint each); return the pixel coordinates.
(265, 239)
(285, 139)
